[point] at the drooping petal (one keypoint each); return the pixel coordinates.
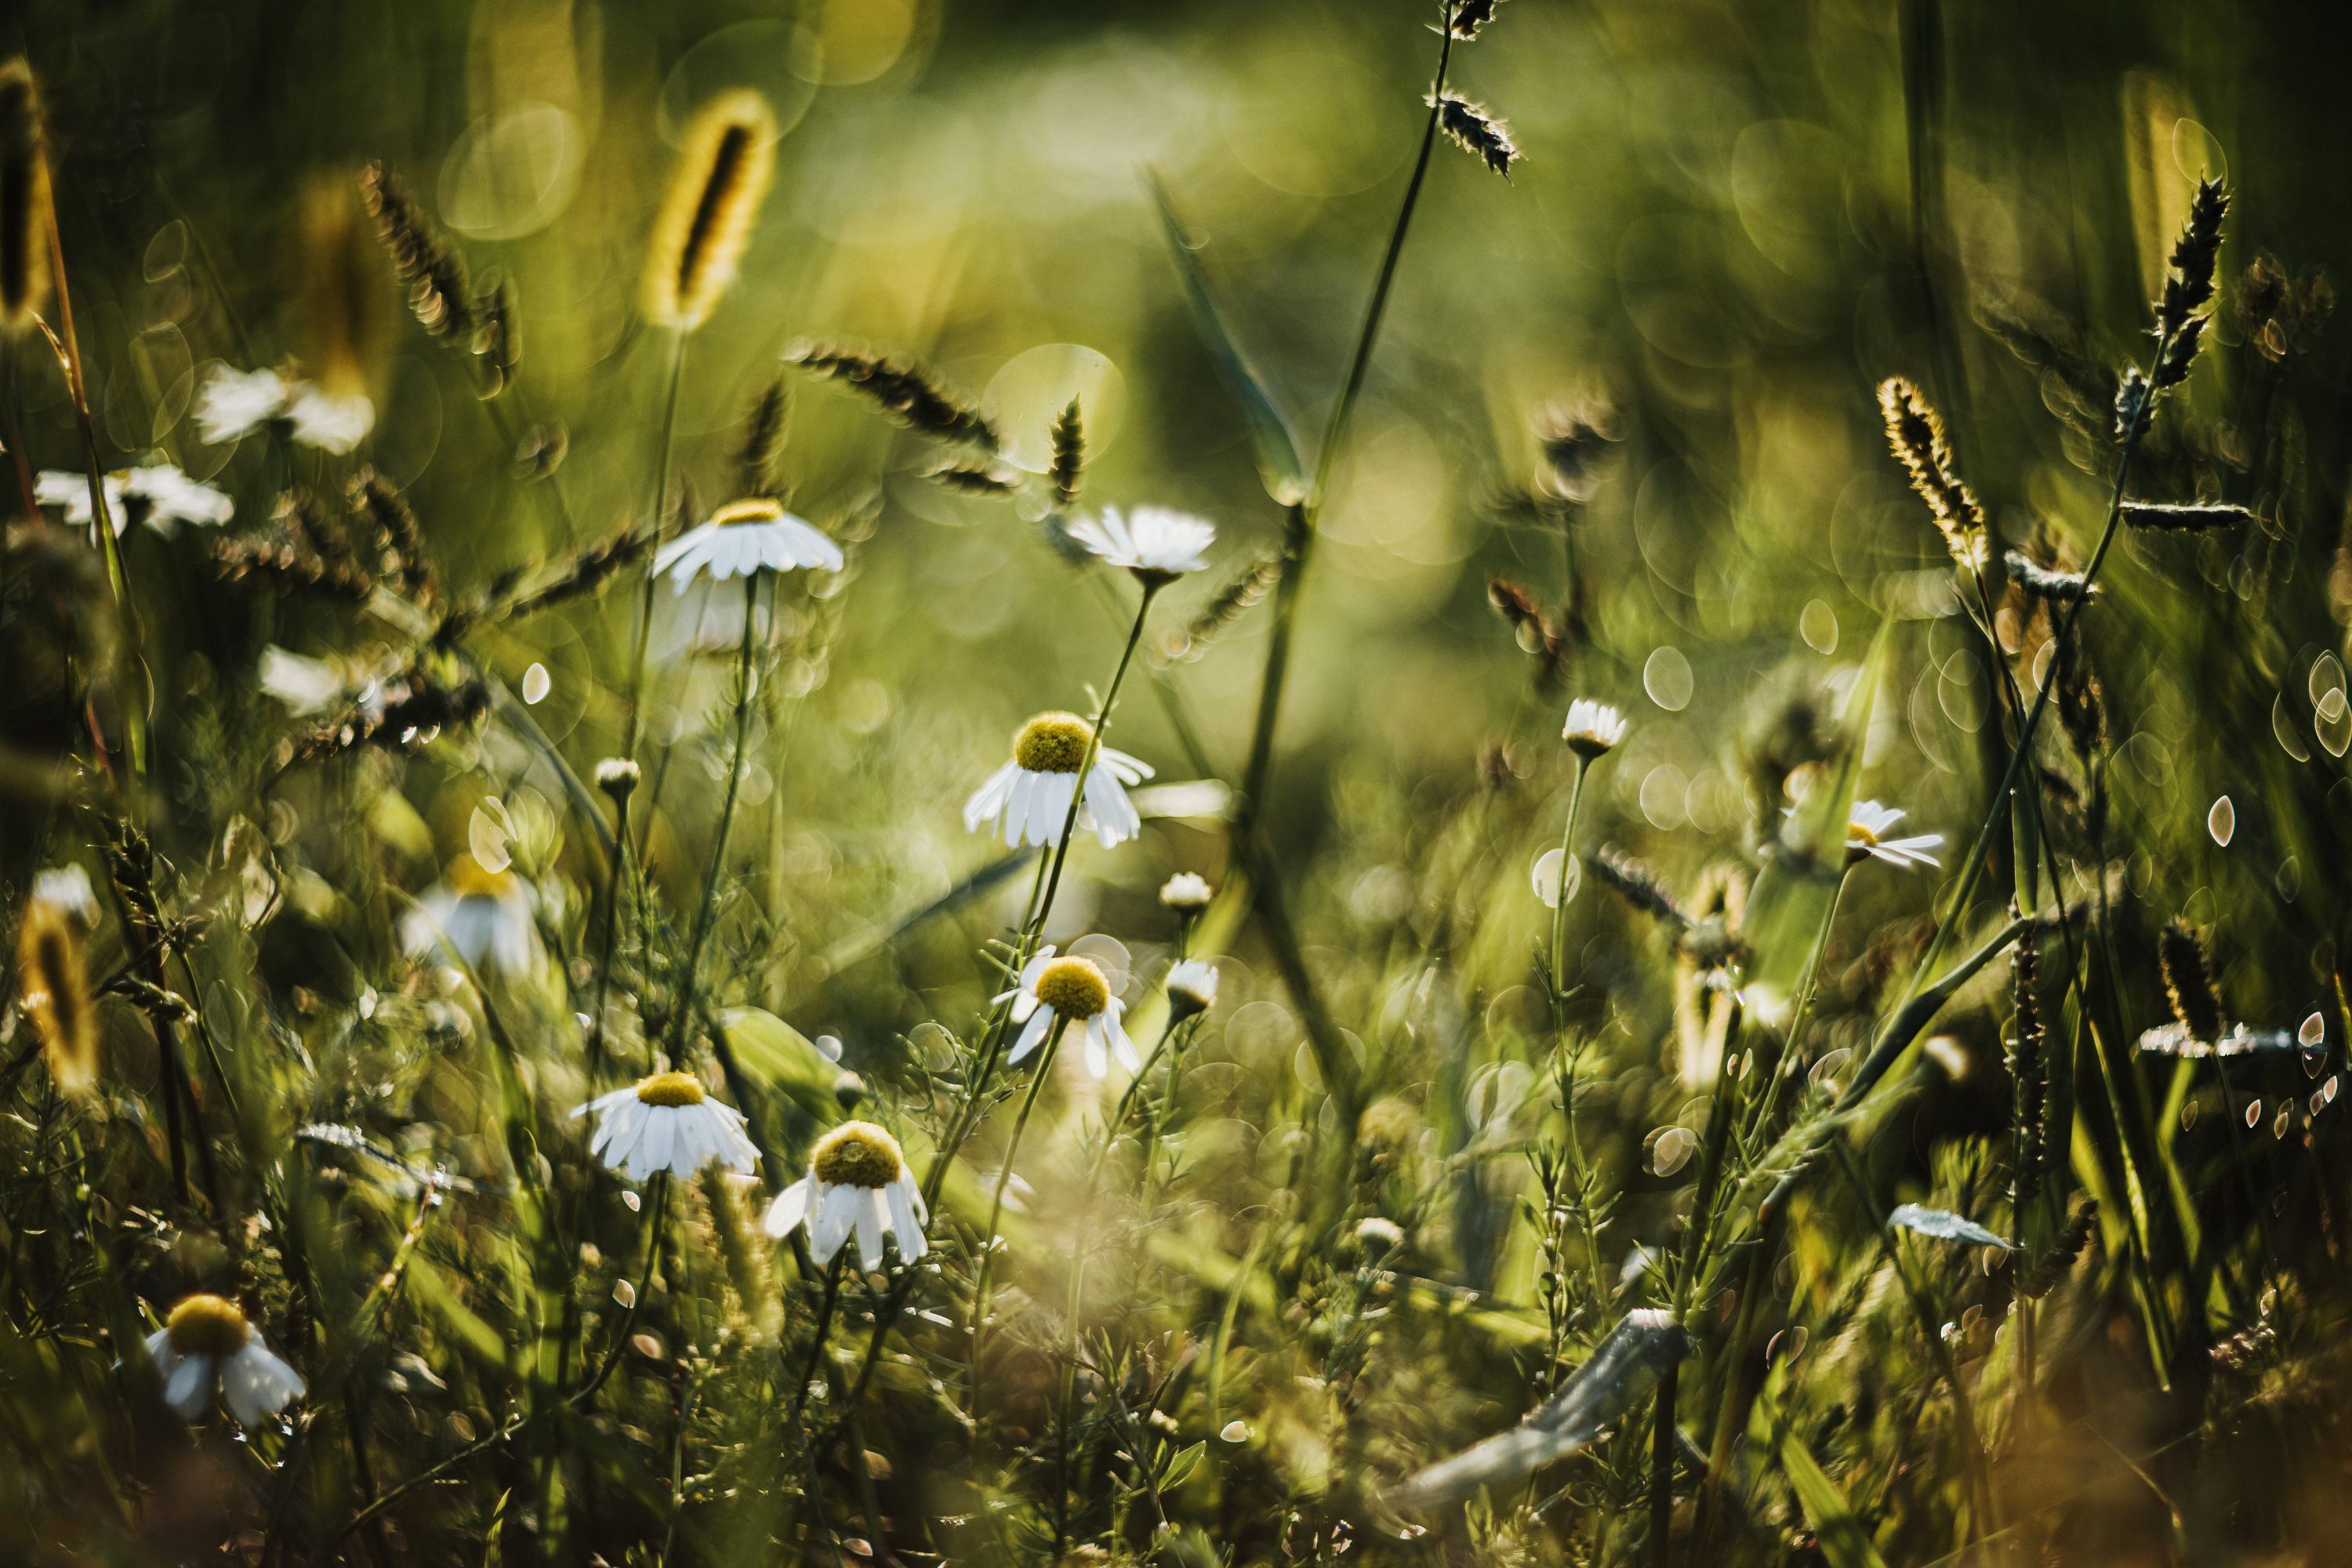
(189, 1386)
(905, 1223)
(790, 1209)
(1032, 1033)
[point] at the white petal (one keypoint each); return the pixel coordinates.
(1097, 1051)
(836, 1211)
(872, 1216)
(987, 802)
(190, 1385)
(904, 1224)
(1030, 1033)
(257, 1383)
(790, 1209)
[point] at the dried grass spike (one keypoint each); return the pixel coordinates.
(434, 274)
(2064, 1248)
(714, 190)
(976, 478)
(2184, 517)
(1469, 15)
(53, 990)
(763, 439)
(2042, 582)
(1476, 131)
(1636, 884)
(1231, 602)
(1915, 434)
(24, 197)
(1069, 456)
(908, 394)
(2188, 981)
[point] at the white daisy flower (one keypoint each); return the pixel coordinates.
(666, 1122)
(1156, 544)
(1029, 797)
(857, 1184)
(743, 537)
(1055, 991)
(480, 913)
(1186, 892)
(68, 888)
(1191, 988)
(618, 777)
(1865, 833)
(1593, 728)
(160, 495)
(207, 1346)
(234, 403)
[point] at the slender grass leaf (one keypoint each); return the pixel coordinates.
(1945, 1226)
(1843, 1542)
(1621, 1369)
(1278, 466)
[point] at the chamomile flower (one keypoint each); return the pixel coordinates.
(160, 495)
(68, 888)
(234, 403)
(1073, 990)
(1191, 988)
(1593, 729)
(1186, 892)
(1865, 833)
(743, 537)
(308, 686)
(1029, 797)
(205, 1346)
(1156, 544)
(484, 914)
(668, 1123)
(857, 1184)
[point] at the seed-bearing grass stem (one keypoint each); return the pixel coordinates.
(683, 1009)
(656, 523)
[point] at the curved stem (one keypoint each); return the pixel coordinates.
(659, 520)
(1560, 902)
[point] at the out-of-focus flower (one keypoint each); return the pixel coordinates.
(160, 495)
(205, 1346)
(743, 537)
(1186, 892)
(668, 1123)
(1865, 833)
(1156, 544)
(480, 912)
(1191, 988)
(234, 403)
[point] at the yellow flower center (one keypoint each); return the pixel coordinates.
(757, 510)
(207, 1325)
(857, 1155)
(1074, 987)
(670, 1089)
(468, 879)
(1052, 743)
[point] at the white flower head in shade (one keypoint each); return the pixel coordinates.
(1073, 990)
(1191, 988)
(67, 887)
(743, 537)
(1593, 729)
(1029, 797)
(308, 686)
(207, 1346)
(1186, 892)
(857, 1184)
(1156, 544)
(668, 1123)
(160, 495)
(1865, 833)
(484, 915)
(234, 403)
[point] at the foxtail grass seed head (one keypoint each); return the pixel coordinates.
(908, 394)
(2188, 982)
(207, 1348)
(1186, 892)
(1915, 433)
(2052, 1268)
(53, 992)
(2184, 517)
(1069, 472)
(1476, 131)
(23, 198)
(714, 195)
(2042, 582)
(2189, 285)
(1636, 884)
(1469, 15)
(858, 1185)
(434, 274)
(763, 439)
(339, 294)
(1593, 729)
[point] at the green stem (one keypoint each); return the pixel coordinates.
(988, 1241)
(656, 523)
(1566, 887)
(683, 1010)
